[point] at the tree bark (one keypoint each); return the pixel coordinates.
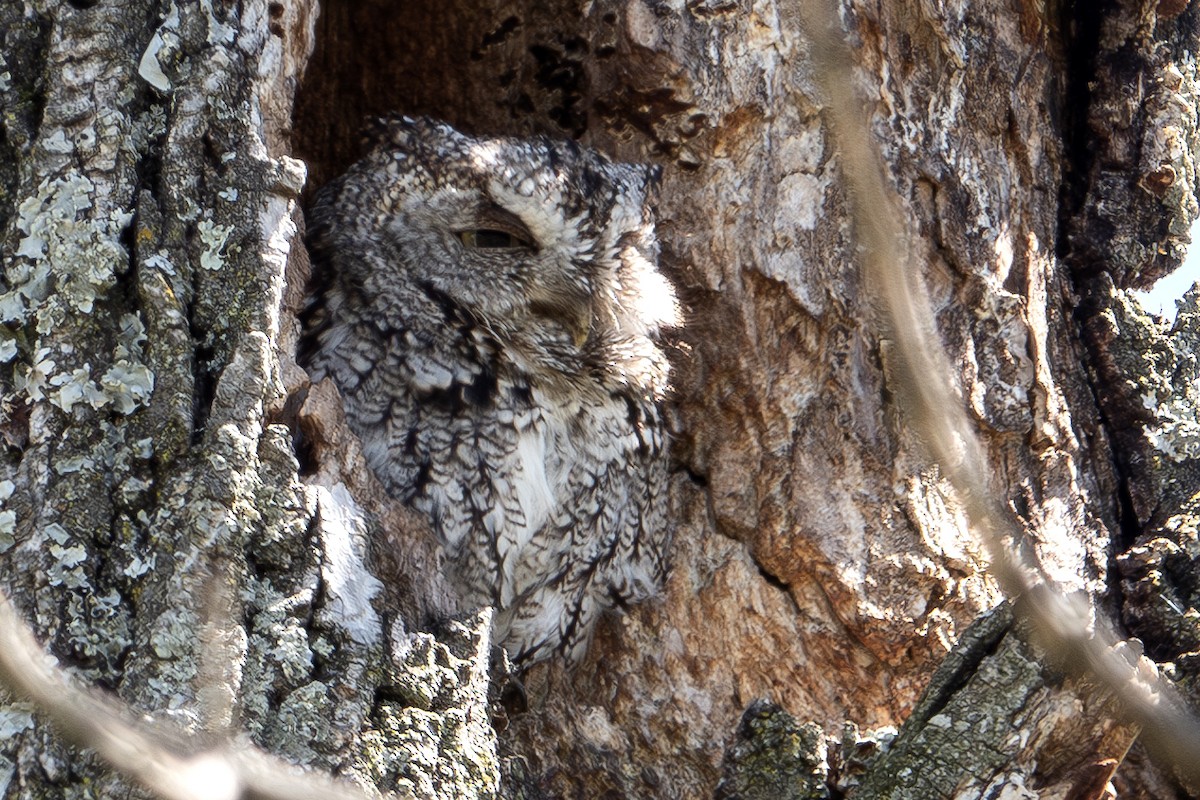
(188, 524)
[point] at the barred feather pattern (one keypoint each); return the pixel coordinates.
(490, 309)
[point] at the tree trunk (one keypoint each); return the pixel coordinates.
(188, 524)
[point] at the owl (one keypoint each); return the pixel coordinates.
(490, 310)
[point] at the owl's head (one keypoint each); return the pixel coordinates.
(547, 244)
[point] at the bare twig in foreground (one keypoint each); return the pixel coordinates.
(938, 415)
(148, 752)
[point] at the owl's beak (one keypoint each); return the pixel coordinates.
(580, 327)
(574, 315)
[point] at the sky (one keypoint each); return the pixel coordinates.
(1161, 298)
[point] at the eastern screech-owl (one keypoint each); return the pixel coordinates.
(490, 313)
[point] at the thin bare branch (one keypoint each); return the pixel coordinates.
(147, 752)
(938, 415)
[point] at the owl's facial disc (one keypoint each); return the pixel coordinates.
(496, 233)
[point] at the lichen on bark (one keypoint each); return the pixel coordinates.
(774, 758)
(155, 528)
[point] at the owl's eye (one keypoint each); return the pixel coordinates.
(487, 239)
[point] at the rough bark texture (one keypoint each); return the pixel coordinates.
(159, 440)
(156, 530)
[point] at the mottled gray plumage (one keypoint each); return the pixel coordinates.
(490, 315)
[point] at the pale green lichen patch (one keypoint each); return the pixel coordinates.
(175, 633)
(67, 261)
(14, 719)
(82, 255)
(75, 387)
(280, 664)
(69, 558)
(63, 572)
(1177, 433)
(34, 380)
(219, 32)
(127, 385)
(97, 624)
(56, 533)
(213, 237)
(423, 678)
(1160, 370)
(1171, 385)
(304, 717)
(138, 566)
(282, 652)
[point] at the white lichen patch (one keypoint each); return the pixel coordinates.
(81, 255)
(137, 566)
(213, 237)
(127, 386)
(34, 380)
(75, 387)
(1176, 432)
(1170, 387)
(149, 67)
